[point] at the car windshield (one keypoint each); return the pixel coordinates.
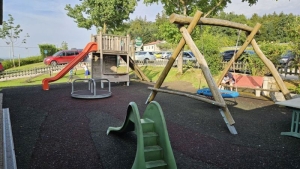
(287, 55)
(191, 53)
(57, 53)
(251, 52)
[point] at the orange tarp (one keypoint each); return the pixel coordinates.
(248, 81)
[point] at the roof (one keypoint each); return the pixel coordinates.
(154, 43)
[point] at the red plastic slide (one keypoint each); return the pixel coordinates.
(90, 47)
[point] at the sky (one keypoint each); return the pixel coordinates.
(46, 21)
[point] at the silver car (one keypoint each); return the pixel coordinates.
(287, 58)
(145, 56)
(188, 55)
(166, 55)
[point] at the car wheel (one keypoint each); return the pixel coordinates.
(53, 63)
(146, 60)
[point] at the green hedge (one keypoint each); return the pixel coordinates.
(24, 61)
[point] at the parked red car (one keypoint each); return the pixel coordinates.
(1, 67)
(62, 57)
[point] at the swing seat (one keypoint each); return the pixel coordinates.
(224, 93)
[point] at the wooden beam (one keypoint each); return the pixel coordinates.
(172, 59)
(239, 52)
(190, 96)
(252, 88)
(271, 67)
(185, 20)
(206, 72)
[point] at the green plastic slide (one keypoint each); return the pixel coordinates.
(153, 145)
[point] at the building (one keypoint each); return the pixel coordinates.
(153, 46)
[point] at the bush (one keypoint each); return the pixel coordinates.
(209, 46)
(24, 61)
(273, 51)
(296, 89)
(31, 60)
(255, 65)
(51, 49)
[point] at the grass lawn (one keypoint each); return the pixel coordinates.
(192, 75)
(35, 65)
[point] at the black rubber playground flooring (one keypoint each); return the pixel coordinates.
(52, 130)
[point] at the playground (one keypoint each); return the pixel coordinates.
(125, 127)
(53, 130)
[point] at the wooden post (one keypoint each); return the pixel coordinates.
(173, 57)
(126, 47)
(100, 49)
(92, 39)
(206, 72)
(190, 96)
(273, 70)
(240, 51)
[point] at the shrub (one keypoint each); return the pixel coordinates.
(51, 49)
(255, 65)
(273, 51)
(24, 61)
(211, 52)
(296, 89)
(209, 46)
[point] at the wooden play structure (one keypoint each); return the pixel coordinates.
(106, 52)
(105, 61)
(213, 86)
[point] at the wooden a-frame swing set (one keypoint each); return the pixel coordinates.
(213, 86)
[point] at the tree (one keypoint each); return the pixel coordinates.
(47, 50)
(64, 45)
(11, 33)
(187, 7)
(294, 30)
(101, 13)
(142, 28)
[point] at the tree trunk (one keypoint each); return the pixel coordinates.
(19, 60)
(104, 28)
(180, 62)
(13, 54)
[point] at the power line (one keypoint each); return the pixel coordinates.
(19, 47)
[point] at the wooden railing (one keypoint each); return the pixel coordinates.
(112, 42)
(286, 70)
(115, 43)
(238, 66)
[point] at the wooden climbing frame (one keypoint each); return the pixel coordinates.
(186, 39)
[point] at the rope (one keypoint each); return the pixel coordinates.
(236, 44)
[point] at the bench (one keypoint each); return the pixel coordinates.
(294, 105)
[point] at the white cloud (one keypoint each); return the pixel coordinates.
(264, 7)
(149, 12)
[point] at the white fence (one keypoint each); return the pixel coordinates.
(238, 66)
